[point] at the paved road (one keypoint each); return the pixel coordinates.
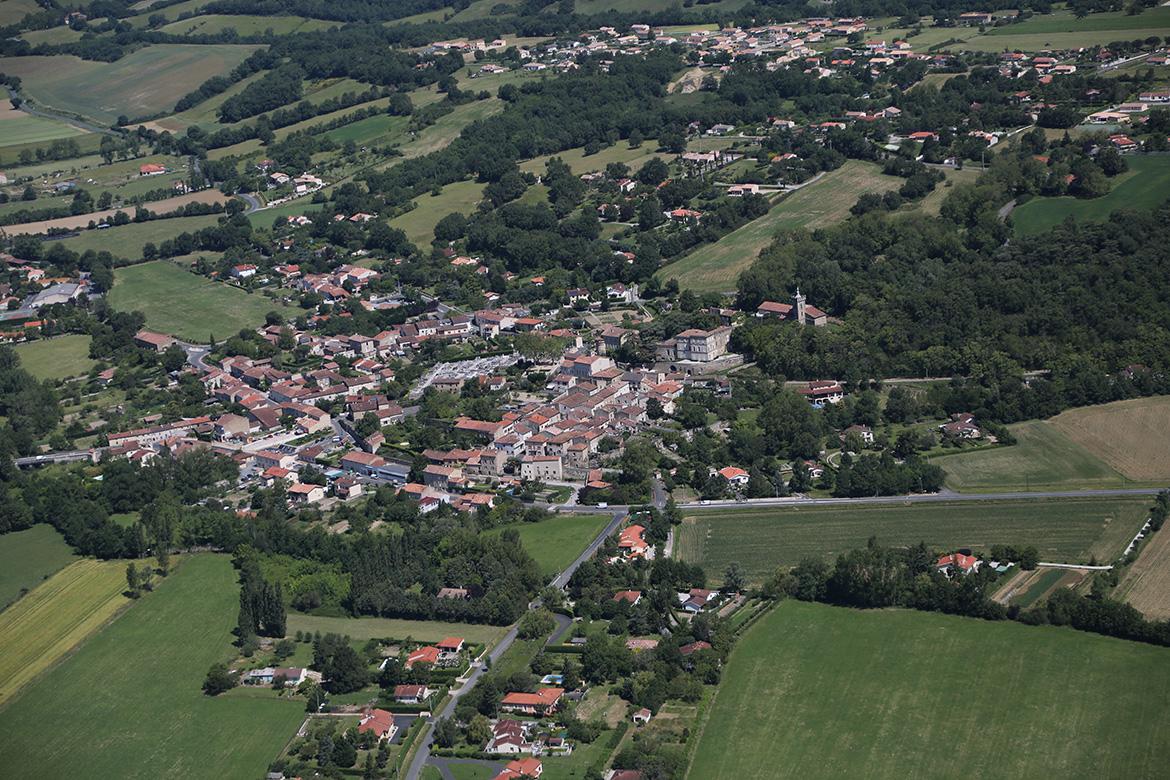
(564, 623)
(423, 754)
(197, 355)
(252, 201)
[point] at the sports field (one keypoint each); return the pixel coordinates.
(1146, 584)
(56, 358)
(39, 629)
(360, 629)
(819, 691)
(716, 267)
(145, 82)
(1121, 444)
(557, 542)
(128, 704)
(762, 539)
(186, 305)
(1146, 185)
(28, 557)
(419, 223)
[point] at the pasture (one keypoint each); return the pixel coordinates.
(12, 11)
(214, 24)
(186, 305)
(29, 557)
(363, 628)
(17, 127)
(556, 542)
(419, 223)
(765, 538)
(580, 163)
(1146, 584)
(819, 691)
(56, 358)
(145, 82)
(127, 241)
(52, 618)
(1145, 186)
(375, 128)
(716, 267)
(130, 699)
(82, 221)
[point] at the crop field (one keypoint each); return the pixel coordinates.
(361, 629)
(716, 267)
(1146, 185)
(145, 82)
(186, 305)
(56, 358)
(555, 543)
(127, 241)
(1146, 584)
(419, 223)
(1044, 457)
(28, 557)
(1131, 436)
(41, 628)
(213, 24)
(911, 694)
(765, 538)
(130, 699)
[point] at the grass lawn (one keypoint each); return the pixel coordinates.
(127, 241)
(39, 629)
(1120, 444)
(28, 557)
(716, 267)
(910, 694)
(1146, 185)
(186, 305)
(147, 81)
(555, 543)
(419, 223)
(56, 358)
(361, 629)
(130, 698)
(762, 539)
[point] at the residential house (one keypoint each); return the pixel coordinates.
(734, 477)
(411, 694)
(958, 562)
(543, 702)
(378, 722)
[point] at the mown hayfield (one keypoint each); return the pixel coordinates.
(1043, 458)
(380, 128)
(244, 24)
(581, 163)
(39, 629)
(765, 538)
(1131, 436)
(186, 305)
(56, 358)
(1145, 186)
(819, 691)
(16, 127)
(127, 241)
(145, 82)
(556, 542)
(716, 267)
(419, 223)
(1063, 21)
(1146, 584)
(448, 127)
(12, 11)
(361, 629)
(128, 704)
(29, 557)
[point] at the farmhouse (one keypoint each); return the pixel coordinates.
(151, 169)
(958, 562)
(642, 717)
(543, 702)
(151, 340)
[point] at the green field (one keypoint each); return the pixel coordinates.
(762, 539)
(24, 129)
(818, 691)
(716, 267)
(419, 223)
(1042, 458)
(1065, 22)
(12, 11)
(145, 82)
(28, 557)
(127, 241)
(557, 542)
(374, 128)
(56, 358)
(52, 618)
(130, 700)
(213, 24)
(580, 163)
(361, 629)
(1146, 185)
(186, 305)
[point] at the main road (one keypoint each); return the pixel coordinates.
(423, 754)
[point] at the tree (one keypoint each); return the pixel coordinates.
(218, 680)
(446, 733)
(535, 624)
(734, 578)
(479, 730)
(345, 672)
(132, 586)
(344, 753)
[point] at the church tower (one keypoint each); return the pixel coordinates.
(800, 310)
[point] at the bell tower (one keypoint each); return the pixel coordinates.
(798, 300)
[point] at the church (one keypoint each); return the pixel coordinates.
(799, 310)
